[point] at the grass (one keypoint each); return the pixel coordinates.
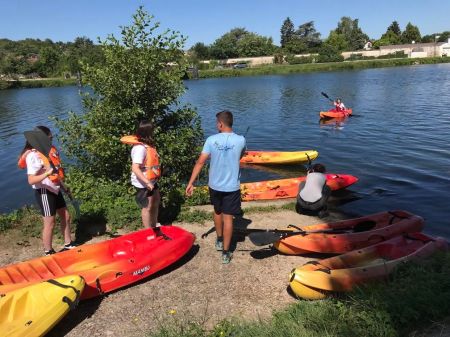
(415, 297)
(316, 67)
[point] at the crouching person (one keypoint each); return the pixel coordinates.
(313, 193)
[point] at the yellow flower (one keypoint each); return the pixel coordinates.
(172, 312)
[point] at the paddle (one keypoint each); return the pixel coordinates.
(326, 96)
(40, 141)
(272, 236)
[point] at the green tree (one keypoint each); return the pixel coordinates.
(287, 32)
(353, 35)
(388, 38)
(200, 51)
(337, 41)
(329, 53)
(308, 35)
(48, 61)
(411, 33)
(140, 79)
(226, 45)
(394, 28)
(252, 45)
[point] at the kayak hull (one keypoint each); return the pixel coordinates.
(382, 226)
(105, 266)
(318, 279)
(335, 114)
(272, 157)
(34, 310)
(288, 188)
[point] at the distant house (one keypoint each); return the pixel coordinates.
(368, 45)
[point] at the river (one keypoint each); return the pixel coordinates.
(396, 142)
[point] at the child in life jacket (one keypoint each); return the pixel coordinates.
(145, 172)
(46, 183)
(339, 105)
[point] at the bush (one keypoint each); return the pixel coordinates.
(292, 59)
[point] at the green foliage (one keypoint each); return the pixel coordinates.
(389, 38)
(200, 51)
(337, 41)
(287, 32)
(352, 34)
(394, 28)
(278, 58)
(238, 42)
(415, 297)
(329, 53)
(139, 79)
(411, 33)
(292, 59)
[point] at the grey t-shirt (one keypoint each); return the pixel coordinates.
(313, 187)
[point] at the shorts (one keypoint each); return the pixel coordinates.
(226, 202)
(142, 195)
(48, 201)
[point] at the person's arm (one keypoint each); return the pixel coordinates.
(37, 178)
(135, 168)
(196, 171)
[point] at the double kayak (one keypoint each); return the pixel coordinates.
(34, 310)
(333, 113)
(288, 188)
(317, 279)
(107, 265)
(273, 157)
(347, 235)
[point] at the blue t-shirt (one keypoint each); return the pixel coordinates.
(225, 151)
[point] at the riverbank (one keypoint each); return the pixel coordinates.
(284, 69)
(37, 83)
(201, 297)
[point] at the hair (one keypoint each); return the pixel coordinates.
(318, 168)
(144, 132)
(338, 99)
(44, 129)
(26, 147)
(226, 117)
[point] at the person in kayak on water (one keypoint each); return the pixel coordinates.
(225, 149)
(313, 193)
(145, 172)
(46, 182)
(339, 105)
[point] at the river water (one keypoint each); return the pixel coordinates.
(397, 142)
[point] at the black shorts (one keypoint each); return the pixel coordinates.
(142, 195)
(48, 201)
(226, 202)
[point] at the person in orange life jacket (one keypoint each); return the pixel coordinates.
(47, 186)
(339, 105)
(313, 193)
(145, 172)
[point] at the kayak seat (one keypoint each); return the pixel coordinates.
(122, 248)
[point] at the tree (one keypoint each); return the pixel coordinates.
(394, 28)
(388, 38)
(48, 61)
(140, 79)
(252, 45)
(287, 32)
(411, 33)
(337, 41)
(308, 35)
(200, 51)
(353, 35)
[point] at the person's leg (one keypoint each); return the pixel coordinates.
(65, 224)
(227, 231)
(142, 200)
(153, 202)
(231, 206)
(47, 232)
(216, 200)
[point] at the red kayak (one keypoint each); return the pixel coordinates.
(333, 113)
(107, 265)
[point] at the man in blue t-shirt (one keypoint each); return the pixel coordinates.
(225, 149)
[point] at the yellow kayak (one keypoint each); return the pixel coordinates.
(34, 310)
(272, 157)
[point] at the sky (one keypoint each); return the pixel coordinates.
(205, 21)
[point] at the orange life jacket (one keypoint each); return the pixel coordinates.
(151, 166)
(54, 157)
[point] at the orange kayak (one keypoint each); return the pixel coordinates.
(272, 157)
(351, 234)
(107, 265)
(288, 188)
(317, 279)
(333, 113)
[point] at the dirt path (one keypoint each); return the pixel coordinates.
(199, 287)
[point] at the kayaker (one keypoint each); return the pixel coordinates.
(145, 172)
(225, 149)
(46, 182)
(313, 193)
(339, 105)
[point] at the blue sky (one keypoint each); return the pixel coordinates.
(204, 21)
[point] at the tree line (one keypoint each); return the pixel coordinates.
(45, 58)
